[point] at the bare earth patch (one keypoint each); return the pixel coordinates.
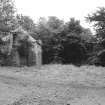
(52, 85)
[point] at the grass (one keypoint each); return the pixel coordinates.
(52, 84)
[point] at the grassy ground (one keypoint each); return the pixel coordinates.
(52, 85)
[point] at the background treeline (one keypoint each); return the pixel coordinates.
(62, 42)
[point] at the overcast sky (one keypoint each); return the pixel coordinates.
(63, 9)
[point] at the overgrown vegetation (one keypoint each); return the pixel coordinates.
(67, 43)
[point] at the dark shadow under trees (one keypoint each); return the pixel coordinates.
(73, 54)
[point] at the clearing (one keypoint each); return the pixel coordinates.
(52, 85)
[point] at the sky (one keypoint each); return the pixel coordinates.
(63, 9)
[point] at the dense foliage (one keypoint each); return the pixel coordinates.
(62, 42)
(7, 19)
(98, 20)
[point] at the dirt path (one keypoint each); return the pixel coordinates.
(52, 87)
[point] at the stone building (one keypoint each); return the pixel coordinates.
(18, 48)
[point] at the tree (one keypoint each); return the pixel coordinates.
(73, 26)
(7, 10)
(50, 33)
(26, 22)
(61, 40)
(76, 42)
(98, 19)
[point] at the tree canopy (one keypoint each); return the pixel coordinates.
(7, 10)
(98, 18)
(67, 42)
